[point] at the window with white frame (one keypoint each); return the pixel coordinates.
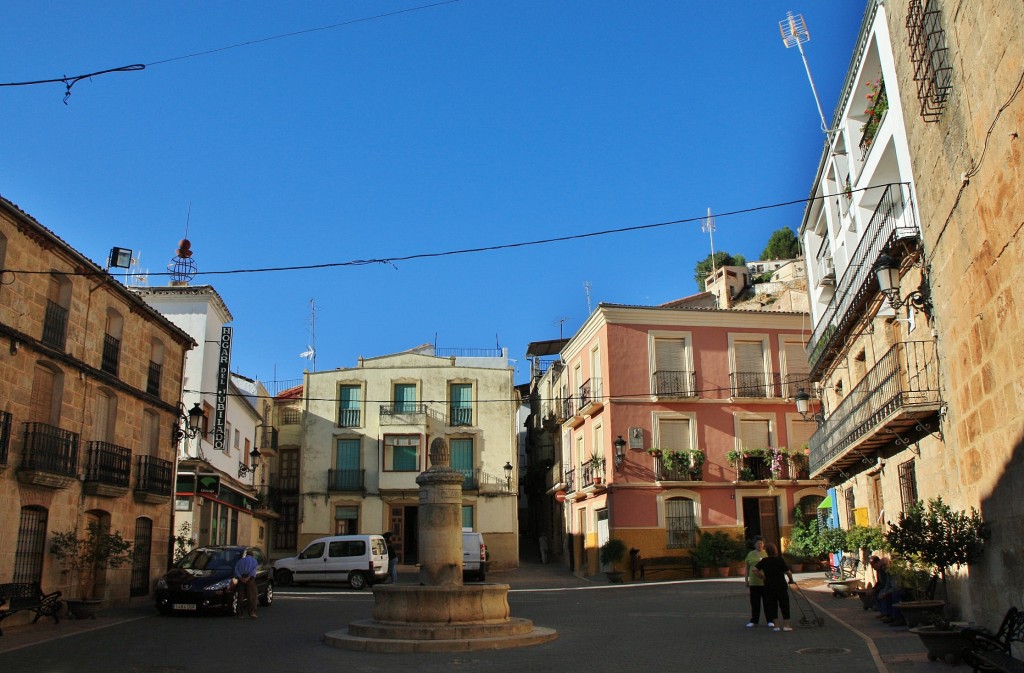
(755, 433)
(749, 374)
(673, 368)
(796, 372)
(680, 523)
(350, 406)
(460, 396)
(402, 453)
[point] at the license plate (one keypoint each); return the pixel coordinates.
(184, 606)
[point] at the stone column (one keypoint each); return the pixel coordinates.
(440, 519)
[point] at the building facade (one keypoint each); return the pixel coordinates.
(91, 389)
(700, 403)
(365, 435)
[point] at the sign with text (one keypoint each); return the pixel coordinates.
(207, 484)
(223, 375)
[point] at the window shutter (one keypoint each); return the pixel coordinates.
(348, 454)
(668, 355)
(754, 434)
(674, 435)
(749, 356)
(462, 454)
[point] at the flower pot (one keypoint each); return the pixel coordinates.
(85, 608)
(705, 572)
(944, 644)
(921, 613)
(723, 571)
(796, 567)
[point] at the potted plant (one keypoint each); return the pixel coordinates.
(715, 550)
(609, 554)
(596, 467)
(85, 559)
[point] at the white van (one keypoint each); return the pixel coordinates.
(474, 555)
(359, 560)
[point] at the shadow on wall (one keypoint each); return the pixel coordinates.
(995, 582)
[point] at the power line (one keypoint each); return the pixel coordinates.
(466, 251)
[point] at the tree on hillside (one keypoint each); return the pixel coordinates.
(704, 267)
(783, 244)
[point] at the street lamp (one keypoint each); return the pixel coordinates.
(887, 271)
(244, 469)
(508, 475)
(802, 405)
(190, 424)
(620, 451)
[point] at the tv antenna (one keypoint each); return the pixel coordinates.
(586, 288)
(310, 353)
(560, 321)
(794, 34)
(707, 225)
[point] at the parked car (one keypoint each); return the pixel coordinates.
(359, 560)
(474, 556)
(201, 581)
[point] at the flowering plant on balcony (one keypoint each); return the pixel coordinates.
(878, 103)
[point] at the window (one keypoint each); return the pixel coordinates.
(461, 400)
(342, 548)
(350, 405)
(286, 528)
(467, 517)
(104, 417)
(674, 434)
(402, 453)
(673, 371)
(933, 71)
(28, 556)
(236, 442)
(809, 506)
(112, 342)
(680, 523)
(797, 372)
(47, 388)
(140, 556)
(749, 377)
(405, 398)
(55, 320)
(346, 475)
(462, 460)
(156, 368)
(755, 433)
(908, 484)
(346, 522)
(291, 416)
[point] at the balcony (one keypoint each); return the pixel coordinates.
(826, 267)
(153, 378)
(49, 457)
(5, 436)
(570, 480)
(890, 404)
(754, 384)
(460, 416)
(108, 469)
(893, 219)
(590, 397)
(111, 354)
(664, 471)
(792, 382)
(403, 413)
(153, 479)
(666, 383)
(287, 484)
(349, 418)
(268, 438)
(55, 325)
(878, 106)
(568, 410)
(345, 480)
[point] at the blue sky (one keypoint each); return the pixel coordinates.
(469, 124)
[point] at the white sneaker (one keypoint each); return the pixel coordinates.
(776, 629)
(750, 624)
(786, 628)
(771, 625)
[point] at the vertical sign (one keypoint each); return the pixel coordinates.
(223, 374)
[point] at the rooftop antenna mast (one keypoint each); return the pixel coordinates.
(310, 353)
(794, 34)
(708, 226)
(586, 288)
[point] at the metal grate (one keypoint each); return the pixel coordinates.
(111, 354)
(5, 436)
(153, 475)
(28, 557)
(908, 484)
(55, 325)
(679, 522)
(108, 464)
(153, 379)
(50, 449)
(140, 556)
(932, 69)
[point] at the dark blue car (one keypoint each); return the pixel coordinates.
(201, 581)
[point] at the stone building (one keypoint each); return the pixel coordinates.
(91, 392)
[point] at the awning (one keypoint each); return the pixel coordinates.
(826, 503)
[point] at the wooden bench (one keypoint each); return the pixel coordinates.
(654, 564)
(993, 652)
(18, 596)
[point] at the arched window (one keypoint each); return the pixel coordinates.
(28, 556)
(112, 342)
(55, 320)
(680, 523)
(105, 416)
(156, 367)
(141, 552)
(47, 389)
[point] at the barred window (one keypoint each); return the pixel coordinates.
(141, 555)
(679, 522)
(908, 484)
(28, 557)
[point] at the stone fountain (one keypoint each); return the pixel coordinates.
(439, 614)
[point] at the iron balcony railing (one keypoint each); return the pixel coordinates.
(664, 472)
(5, 436)
(461, 416)
(570, 480)
(674, 384)
(590, 392)
(349, 418)
(108, 464)
(468, 352)
(55, 325)
(754, 384)
(153, 379)
(893, 219)
(50, 449)
(268, 437)
(345, 479)
(403, 413)
(793, 382)
(154, 475)
(285, 483)
(903, 380)
(471, 478)
(568, 408)
(111, 354)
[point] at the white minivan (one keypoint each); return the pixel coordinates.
(359, 560)
(474, 555)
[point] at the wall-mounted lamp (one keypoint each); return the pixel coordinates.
(244, 469)
(189, 425)
(802, 407)
(620, 451)
(508, 475)
(15, 345)
(887, 271)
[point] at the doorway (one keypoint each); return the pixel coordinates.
(404, 526)
(761, 517)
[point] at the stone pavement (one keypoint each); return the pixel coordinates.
(616, 623)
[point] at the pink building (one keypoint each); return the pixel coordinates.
(664, 420)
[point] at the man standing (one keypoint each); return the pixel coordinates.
(245, 578)
(392, 558)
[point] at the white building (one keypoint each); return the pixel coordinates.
(366, 432)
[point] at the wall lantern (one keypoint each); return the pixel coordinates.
(887, 271)
(508, 474)
(803, 406)
(244, 469)
(620, 451)
(190, 424)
